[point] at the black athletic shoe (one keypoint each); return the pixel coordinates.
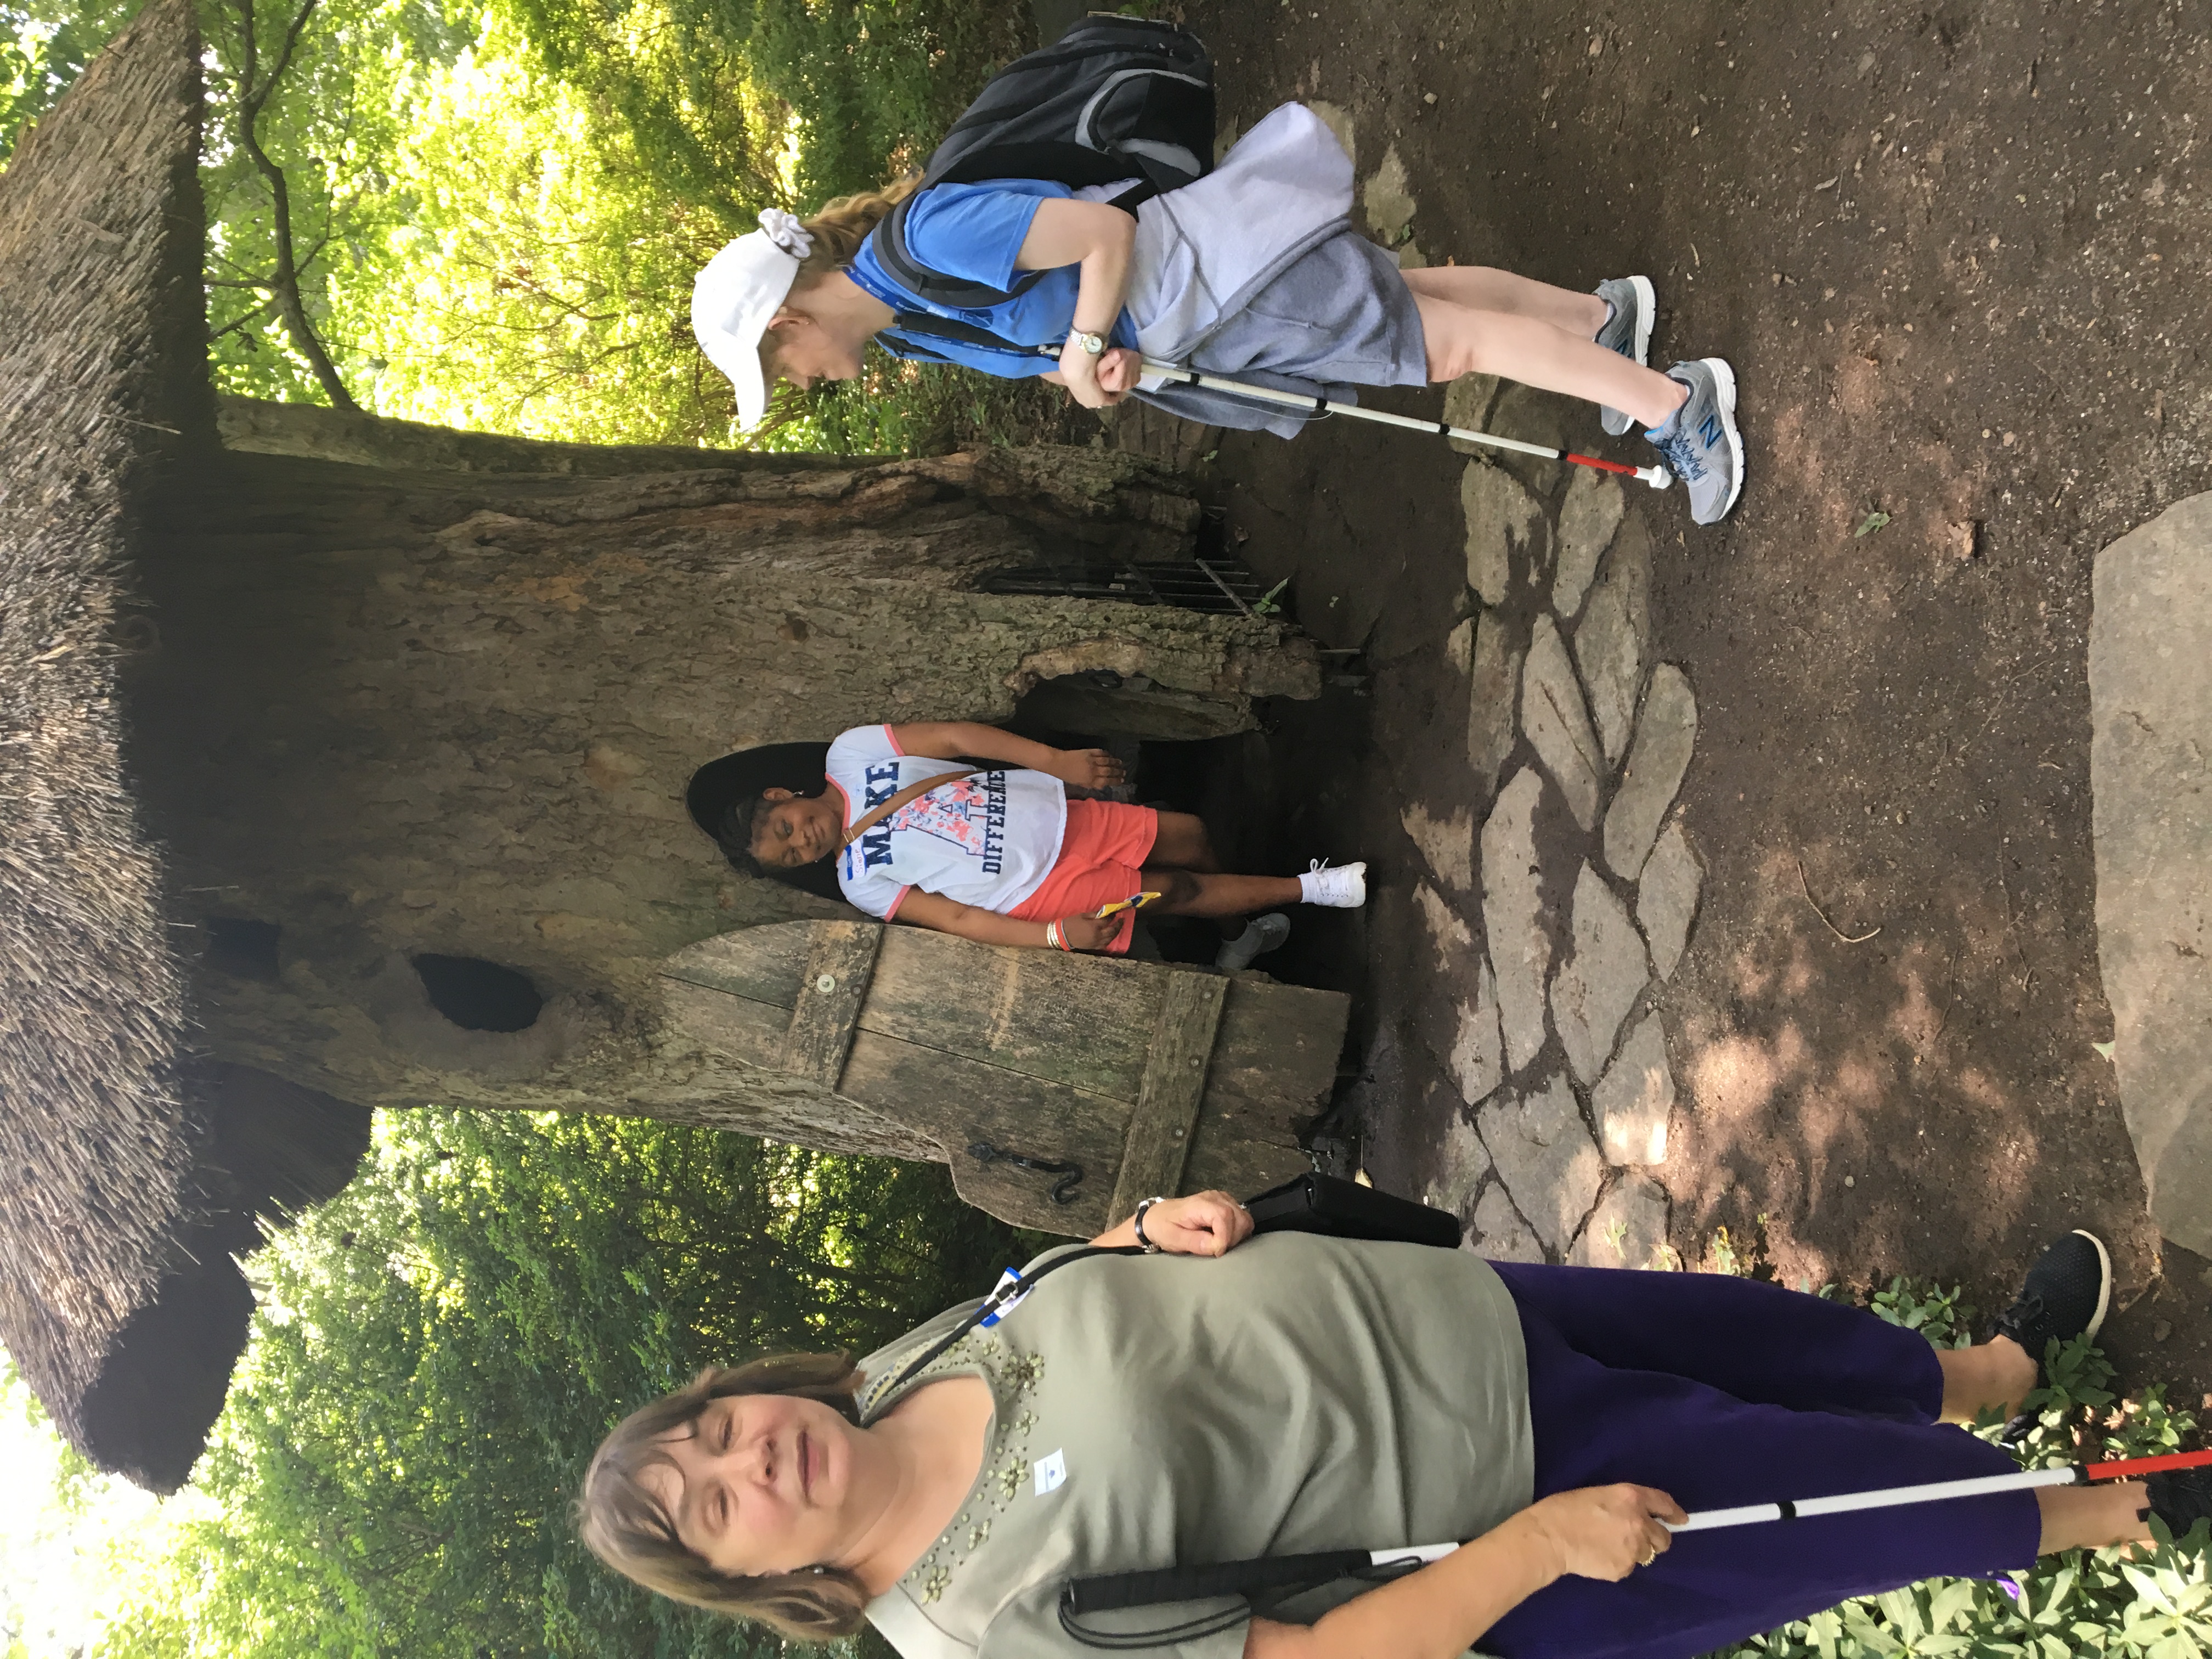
(2180, 1497)
(2066, 1295)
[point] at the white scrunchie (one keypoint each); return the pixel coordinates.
(786, 233)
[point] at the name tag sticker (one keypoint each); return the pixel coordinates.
(1051, 1472)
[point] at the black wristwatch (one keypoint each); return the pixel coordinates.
(1150, 1248)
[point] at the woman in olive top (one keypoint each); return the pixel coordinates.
(1303, 1394)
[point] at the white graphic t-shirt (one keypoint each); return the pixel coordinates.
(988, 840)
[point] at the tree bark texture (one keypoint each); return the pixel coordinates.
(387, 711)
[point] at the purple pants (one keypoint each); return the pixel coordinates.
(1723, 1391)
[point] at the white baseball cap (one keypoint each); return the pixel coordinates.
(734, 297)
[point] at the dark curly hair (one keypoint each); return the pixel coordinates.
(725, 796)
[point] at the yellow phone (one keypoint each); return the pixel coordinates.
(1134, 902)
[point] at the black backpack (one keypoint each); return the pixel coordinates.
(1113, 98)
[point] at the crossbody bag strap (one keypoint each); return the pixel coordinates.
(929, 323)
(1012, 1289)
(911, 793)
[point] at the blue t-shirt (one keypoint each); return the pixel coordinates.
(975, 232)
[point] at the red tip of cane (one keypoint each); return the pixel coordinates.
(2128, 1468)
(1602, 466)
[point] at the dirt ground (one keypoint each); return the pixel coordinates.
(1945, 249)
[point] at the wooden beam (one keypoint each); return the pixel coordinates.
(840, 961)
(1166, 1115)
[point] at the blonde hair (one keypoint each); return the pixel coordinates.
(627, 1526)
(838, 228)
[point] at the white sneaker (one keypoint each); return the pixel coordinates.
(1343, 888)
(1262, 934)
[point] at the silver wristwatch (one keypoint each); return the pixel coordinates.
(1093, 343)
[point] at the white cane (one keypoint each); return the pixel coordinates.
(1884, 1497)
(1657, 477)
(1109, 1591)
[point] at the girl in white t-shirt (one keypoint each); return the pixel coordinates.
(1001, 855)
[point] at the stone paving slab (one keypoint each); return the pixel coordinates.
(1447, 842)
(1493, 686)
(2150, 772)
(1635, 1098)
(1628, 1229)
(1478, 1055)
(1502, 516)
(1531, 1049)
(1546, 1158)
(1587, 518)
(1463, 1165)
(1600, 981)
(1497, 1233)
(1512, 915)
(1667, 898)
(1666, 735)
(1610, 640)
(1553, 713)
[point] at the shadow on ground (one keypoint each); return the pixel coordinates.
(1941, 247)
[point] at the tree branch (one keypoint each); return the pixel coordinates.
(285, 281)
(250, 318)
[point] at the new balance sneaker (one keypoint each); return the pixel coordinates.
(1262, 934)
(1343, 887)
(1628, 331)
(1700, 444)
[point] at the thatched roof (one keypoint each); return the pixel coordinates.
(102, 373)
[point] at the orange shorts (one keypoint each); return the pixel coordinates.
(1102, 859)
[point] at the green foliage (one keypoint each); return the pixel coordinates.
(499, 205)
(537, 284)
(334, 123)
(1731, 1256)
(2157, 1605)
(896, 407)
(745, 103)
(44, 46)
(1937, 1313)
(437, 1351)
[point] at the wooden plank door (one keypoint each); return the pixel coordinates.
(1152, 1079)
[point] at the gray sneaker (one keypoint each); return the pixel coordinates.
(1262, 934)
(1702, 446)
(1628, 331)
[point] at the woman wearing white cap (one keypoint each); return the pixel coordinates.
(1252, 271)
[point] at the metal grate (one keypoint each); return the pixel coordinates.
(1221, 586)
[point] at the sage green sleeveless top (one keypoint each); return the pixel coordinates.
(1298, 1394)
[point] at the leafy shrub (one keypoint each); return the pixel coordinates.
(899, 408)
(2157, 1605)
(1939, 1315)
(437, 1350)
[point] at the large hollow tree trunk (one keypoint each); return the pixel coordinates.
(385, 713)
